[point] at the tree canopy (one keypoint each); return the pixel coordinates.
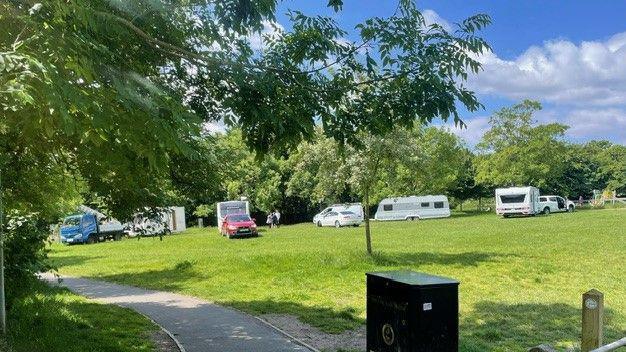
(108, 90)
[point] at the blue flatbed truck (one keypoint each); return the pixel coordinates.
(86, 228)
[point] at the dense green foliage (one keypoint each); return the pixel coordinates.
(55, 320)
(521, 279)
(25, 253)
(518, 151)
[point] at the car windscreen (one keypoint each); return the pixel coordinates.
(240, 217)
(72, 221)
(512, 198)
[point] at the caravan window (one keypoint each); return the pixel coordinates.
(513, 198)
(438, 205)
(543, 199)
(387, 207)
(425, 205)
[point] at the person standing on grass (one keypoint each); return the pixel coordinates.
(277, 215)
(269, 220)
(580, 201)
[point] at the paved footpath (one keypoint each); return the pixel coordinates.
(198, 325)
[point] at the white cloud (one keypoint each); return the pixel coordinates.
(269, 29)
(214, 127)
(588, 124)
(559, 71)
(431, 17)
(474, 131)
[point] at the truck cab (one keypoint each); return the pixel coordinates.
(77, 228)
(85, 228)
(555, 204)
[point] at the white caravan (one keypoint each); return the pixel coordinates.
(356, 208)
(231, 207)
(517, 201)
(413, 208)
(169, 220)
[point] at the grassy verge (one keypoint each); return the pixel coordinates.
(521, 278)
(56, 320)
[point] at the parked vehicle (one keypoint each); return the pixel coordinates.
(90, 227)
(555, 204)
(413, 208)
(339, 219)
(231, 207)
(169, 220)
(356, 208)
(240, 225)
(517, 201)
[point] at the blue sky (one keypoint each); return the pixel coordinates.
(569, 55)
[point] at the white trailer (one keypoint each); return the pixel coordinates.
(517, 201)
(169, 220)
(231, 207)
(356, 208)
(413, 208)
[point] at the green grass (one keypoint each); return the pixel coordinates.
(56, 320)
(521, 279)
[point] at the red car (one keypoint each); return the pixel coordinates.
(238, 225)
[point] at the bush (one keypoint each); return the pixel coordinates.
(25, 252)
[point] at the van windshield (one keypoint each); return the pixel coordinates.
(512, 198)
(75, 221)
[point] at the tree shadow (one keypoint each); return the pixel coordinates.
(496, 326)
(426, 258)
(72, 260)
(171, 279)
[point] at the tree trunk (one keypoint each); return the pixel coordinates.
(368, 237)
(480, 203)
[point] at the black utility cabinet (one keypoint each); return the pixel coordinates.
(412, 312)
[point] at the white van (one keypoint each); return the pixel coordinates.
(413, 208)
(231, 207)
(356, 208)
(555, 204)
(517, 201)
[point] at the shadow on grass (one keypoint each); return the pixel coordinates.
(426, 258)
(517, 327)
(326, 319)
(72, 260)
(170, 279)
(53, 319)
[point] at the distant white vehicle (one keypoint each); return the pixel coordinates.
(517, 201)
(413, 208)
(554, 204)
(356, 208)
(170, 220)
(231, 207)
(340, 219)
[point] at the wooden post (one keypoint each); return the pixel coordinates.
(593, 312)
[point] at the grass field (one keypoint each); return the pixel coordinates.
(521, 279)
(55, 320)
